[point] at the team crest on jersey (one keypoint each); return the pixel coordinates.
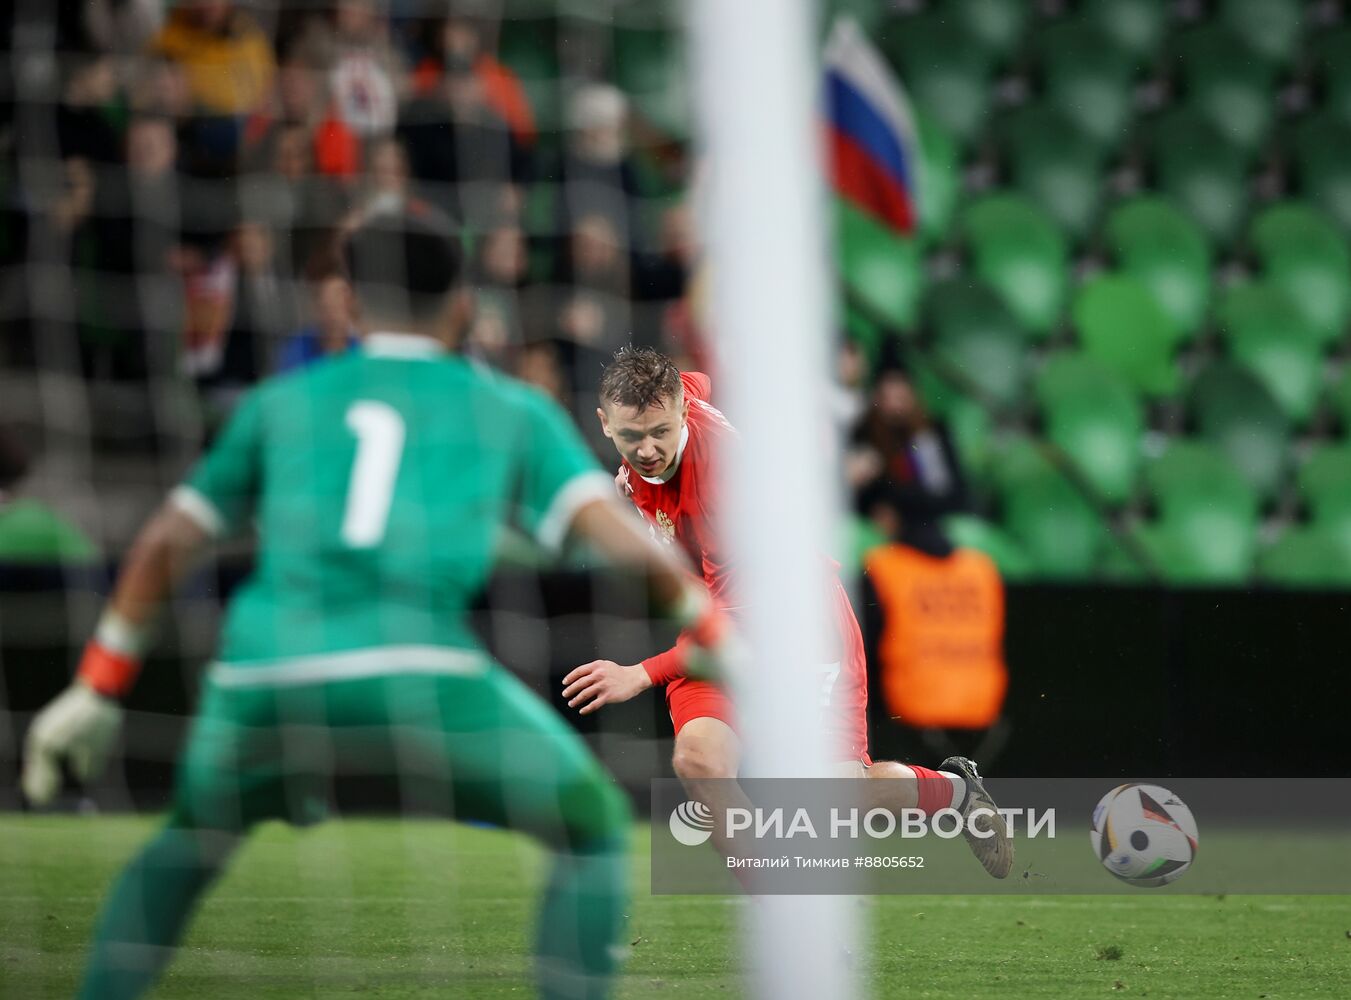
(666, 526)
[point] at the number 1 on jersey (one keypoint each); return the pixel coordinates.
(379, 432)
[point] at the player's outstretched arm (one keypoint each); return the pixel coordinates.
(625, 542)
(81, 724)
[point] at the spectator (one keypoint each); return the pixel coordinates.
(129, 301)
(332, 330)
(367, 77)
(387, 185)
(847, 397)
(593, 309)
(935, 629)
(501, 273)
(540, 365)
(457, 42)
(460, 150)
(563, 370)
(84, 122)
(159, 86)
(227, 57)
(73, 205)
(599, 175)
(122, 25)
(298, 100)
(662, 276)
(299, 205)
(32, 531)
(901, 465)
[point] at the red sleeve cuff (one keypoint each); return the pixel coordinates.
(666, 667)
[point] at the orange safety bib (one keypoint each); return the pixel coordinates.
(942, 647)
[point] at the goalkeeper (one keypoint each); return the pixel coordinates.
(379, 482)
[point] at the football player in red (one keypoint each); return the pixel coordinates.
(669, 437)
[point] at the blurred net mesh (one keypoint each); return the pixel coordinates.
(173, 179)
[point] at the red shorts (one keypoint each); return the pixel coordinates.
(687, 698)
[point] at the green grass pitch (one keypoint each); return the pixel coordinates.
(426, 909)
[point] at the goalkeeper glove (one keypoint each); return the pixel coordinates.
(715, 651)
(81, 725)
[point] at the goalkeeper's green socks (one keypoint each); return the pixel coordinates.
(577, 946)
(149, 908)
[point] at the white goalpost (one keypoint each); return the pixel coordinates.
(755, 75)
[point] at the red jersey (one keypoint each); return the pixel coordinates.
(684, 511)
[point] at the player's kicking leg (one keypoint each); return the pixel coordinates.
(706, 760)
(984, 829)
(955, 785)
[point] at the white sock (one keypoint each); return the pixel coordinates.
(958, 788)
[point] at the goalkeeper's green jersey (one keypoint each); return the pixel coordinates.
(379, 483)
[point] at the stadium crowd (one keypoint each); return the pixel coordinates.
(185, 169)
(200, 158)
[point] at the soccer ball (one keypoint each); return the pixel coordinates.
(1143, 834)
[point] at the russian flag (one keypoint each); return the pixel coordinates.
(874, 146)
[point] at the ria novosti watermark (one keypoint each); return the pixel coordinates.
(1081, 835)
(696, 823)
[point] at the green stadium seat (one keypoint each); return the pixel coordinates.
(1207, 526)
(1227, 84)
(1332, 54)
(1320, 144)
(1120, 324)
(1326, 491)
(1135, 27)
(861, 537)
(1269, 336)
(1216, 549)
(1308, 556)
(942, 180)
(1019, 253)
(1201, 171)
(1235, 412)
(1270, 28)
(977, 345)
(947, 76)
(967, 531)
(1303, 253)
(997, 26)
(862, 329)
(882, 272)
(1126, 559)
(1092, 415)
(1191, 475)
(1056, 525)
(1087, 79)
(972, 430)
(1166, 251)
(1325, 483)
(1057, 165)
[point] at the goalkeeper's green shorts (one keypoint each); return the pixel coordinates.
(479, 748)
